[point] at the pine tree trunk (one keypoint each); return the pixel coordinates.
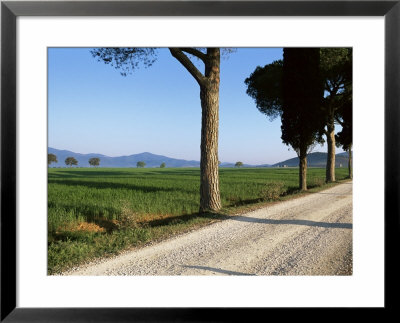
(350, 163)
(330, 164)
(209, 95)
(303, 169)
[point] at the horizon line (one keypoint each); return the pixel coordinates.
(191, 160)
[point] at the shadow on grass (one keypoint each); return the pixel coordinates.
(190, 172)
(239, 202)
(292, 190)
(76, 236)
(181, 219)
(113, 185)
(87, 173)
(131, 172)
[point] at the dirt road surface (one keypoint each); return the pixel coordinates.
(309, 235)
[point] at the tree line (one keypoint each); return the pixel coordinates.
(310, 89)
(95, 161)
(71, 161)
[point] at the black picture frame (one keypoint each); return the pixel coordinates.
(10, 10)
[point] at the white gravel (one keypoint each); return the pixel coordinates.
(310, 235)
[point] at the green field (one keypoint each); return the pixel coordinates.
(100, 211)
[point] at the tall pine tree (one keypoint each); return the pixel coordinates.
(302, 95)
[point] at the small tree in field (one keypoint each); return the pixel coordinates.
(95, 161)
(51, 158)
(69, 161)
(162, 165)
(239, 164)
(140, 164)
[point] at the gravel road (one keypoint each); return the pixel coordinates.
(310, 235)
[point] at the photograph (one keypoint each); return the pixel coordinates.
(200, 159)
(191, 161)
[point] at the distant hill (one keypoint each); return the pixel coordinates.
(151, 160)
(316, 160)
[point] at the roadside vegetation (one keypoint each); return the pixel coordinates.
(100, 212)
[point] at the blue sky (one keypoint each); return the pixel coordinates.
(93, 109)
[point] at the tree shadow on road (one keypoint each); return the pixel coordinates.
(218, 270)
(293, 222)
(219, 216)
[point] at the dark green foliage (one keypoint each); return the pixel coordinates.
(336, 71)
(239, 164)
(69, 161)
(51, 158)
(140, 164)
(162, 165)
(302, 120)
(264, 85)
(302, 117)
(344, 111)
(126, 60)
(336, 68)
(344, 138)
(316, 159)
(95, 161)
